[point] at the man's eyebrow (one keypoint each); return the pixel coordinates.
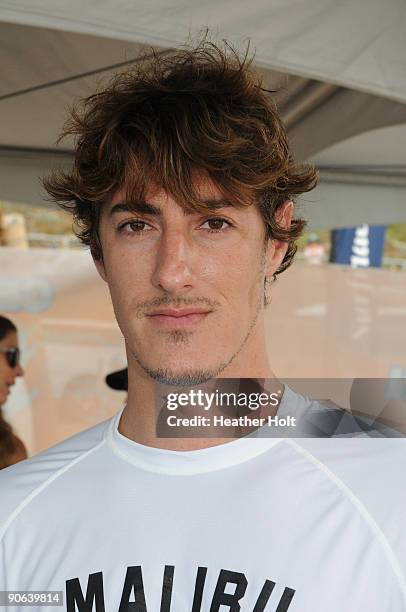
(212, 204)
(139, 207)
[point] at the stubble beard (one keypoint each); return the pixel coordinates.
(196, 376)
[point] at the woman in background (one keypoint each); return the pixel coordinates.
(12, 448)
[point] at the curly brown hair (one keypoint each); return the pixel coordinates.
(196, 109)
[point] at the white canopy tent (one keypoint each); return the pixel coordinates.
(340, 69)
(357, 44)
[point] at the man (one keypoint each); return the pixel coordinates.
(183, 185)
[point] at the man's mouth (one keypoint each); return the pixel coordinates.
(170, 318)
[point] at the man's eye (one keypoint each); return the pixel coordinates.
(216, 224)
(134, 227)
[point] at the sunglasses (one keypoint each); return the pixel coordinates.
(12, 355)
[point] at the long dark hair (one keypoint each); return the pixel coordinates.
(10, 445)
(6, 326)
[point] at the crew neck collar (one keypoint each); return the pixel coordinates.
(202, 460)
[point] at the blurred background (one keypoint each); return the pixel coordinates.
(338, 71)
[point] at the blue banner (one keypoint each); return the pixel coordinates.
(359, 247)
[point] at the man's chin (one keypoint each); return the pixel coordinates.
(181, 375)
(181, 378)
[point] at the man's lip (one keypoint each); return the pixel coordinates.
(170, 318)
(175, 313)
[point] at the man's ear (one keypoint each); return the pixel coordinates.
(276, 249)
(100, 268)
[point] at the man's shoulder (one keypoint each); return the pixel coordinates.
(365, 466)
(21, 482)
(356, 457)
(368, 475)
(364, 477)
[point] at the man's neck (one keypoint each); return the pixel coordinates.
(144, 418)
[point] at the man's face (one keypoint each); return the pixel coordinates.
(187, 288)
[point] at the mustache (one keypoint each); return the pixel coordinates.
(174, 302)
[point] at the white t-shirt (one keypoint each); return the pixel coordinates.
(259, 524)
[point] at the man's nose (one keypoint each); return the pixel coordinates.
(173, 267)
